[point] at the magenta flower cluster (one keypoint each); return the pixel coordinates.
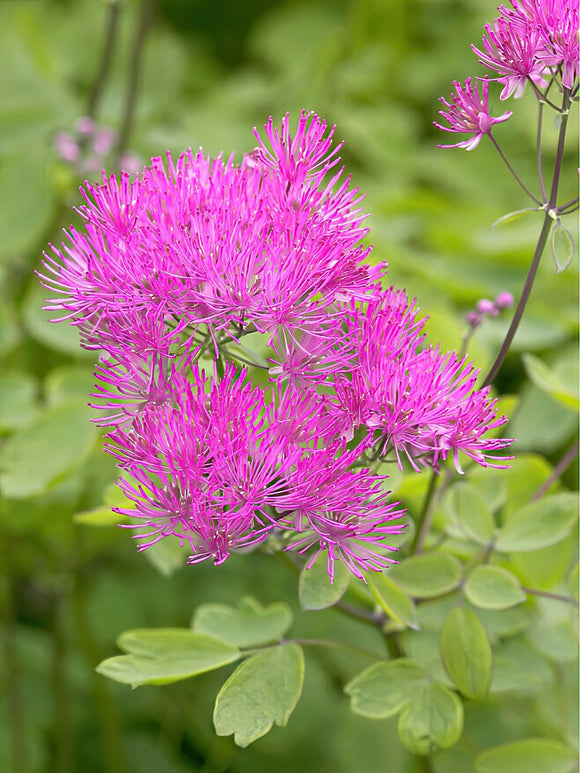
(313, 372)
(534, 41)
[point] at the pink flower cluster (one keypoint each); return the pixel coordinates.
(259, 264)
(531, 40)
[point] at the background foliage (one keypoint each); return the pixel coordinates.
(209, 73)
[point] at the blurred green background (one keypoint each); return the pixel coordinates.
(206, 73)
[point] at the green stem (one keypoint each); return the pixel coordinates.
(548, 595)
(328, 643)
(106, 58)
(145, 17)
(562, 465)
(15, 719)
(550, 206)
(423, 522)
(109, 721)
(513, 172)
(64, 752)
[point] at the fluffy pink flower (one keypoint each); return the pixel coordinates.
(511, 48)
(468, 112)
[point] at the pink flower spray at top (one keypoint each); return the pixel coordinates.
(195, 260)
(533, 43)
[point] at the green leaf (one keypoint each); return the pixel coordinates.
(466, 652)
(539, 524)
(60, 336)
(249, 625)
(99, 516)
(547, 380)
(64, 384)
(42, 452)
(383, 689)
(18, 391)
(491, 587)
(394, 601)
(544, 568)
(164, 655)
(472, 513)
(519, 668)
(434, 719)
(166, 556)
(262, 690)
(315, 590)
(532, 755)
(563, 246)
(427, 576)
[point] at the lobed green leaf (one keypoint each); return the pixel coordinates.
(263, 690)
(164, 655)
(383, 689)
(315, 590)
(249, 625)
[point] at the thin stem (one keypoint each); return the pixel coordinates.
(539, 149)
(513, 172)
(107, 715)
(555, 596)
(526, 292)
(570, 203)
(562, 465)
(15, 714)
(328, 643)
(64, 761)
(143, 25)
(542, 239)
(377, 620)
(106, 58)
(543, 96)
(423, 523)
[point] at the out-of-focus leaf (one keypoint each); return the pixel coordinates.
(518, 668)
(39, 454)
(25, 199)
(491, 587)
(539, 524)
(394, 601)
(381, 690)
(532, 755)
(249, 625)
(315, 590)
(10, 333)
(541, 423)
(434, 719)
(466, 652)
(164, 655)
(167, 555)
(60, 336)
(545, 567)
(427, 575)
(99, 516)
(472, 513)
(18, 392)
(63, 384)
(546, 380)
(554, 639)
(262, 691)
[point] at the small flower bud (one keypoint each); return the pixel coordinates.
(485, 306)
(504, 301)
